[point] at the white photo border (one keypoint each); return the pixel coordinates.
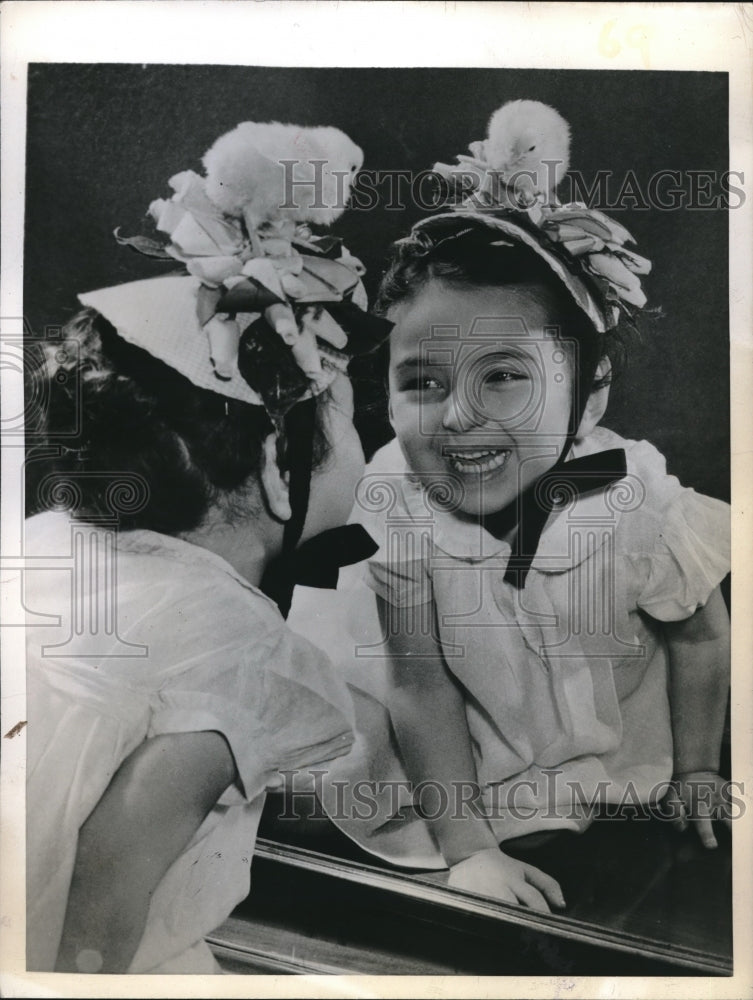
(669, 36)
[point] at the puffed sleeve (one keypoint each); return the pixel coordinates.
(690, 557)
(272, 695)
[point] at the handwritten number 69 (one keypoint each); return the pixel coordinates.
(636, 37)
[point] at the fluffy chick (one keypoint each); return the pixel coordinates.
(246, 176)
(526, 136)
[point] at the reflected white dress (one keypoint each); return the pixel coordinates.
(160, 636)
(565, 681)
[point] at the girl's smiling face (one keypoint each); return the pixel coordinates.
(480, 388)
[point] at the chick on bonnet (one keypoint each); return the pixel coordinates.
(243, 231)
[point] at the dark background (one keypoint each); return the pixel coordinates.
(103, 140)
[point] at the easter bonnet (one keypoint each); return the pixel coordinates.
(510, 179)
(264, 311)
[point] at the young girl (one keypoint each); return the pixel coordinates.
(164, 688)
(553, 637)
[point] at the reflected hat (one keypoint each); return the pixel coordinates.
(264, 311)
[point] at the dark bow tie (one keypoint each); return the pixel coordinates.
(564, 482)
(317, 562)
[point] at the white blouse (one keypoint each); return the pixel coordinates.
(146, 635)
(565, 681)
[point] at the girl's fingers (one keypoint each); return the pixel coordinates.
(705, 829)
(549, 886)
(492, 886)
(676, 810)
(506, 896)
(504, 893)
(680, 821)
(723, 811)
(531, 896)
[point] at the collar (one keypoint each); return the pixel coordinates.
(586, 489)
(142, 541)
(560, 487)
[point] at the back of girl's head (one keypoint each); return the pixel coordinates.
(134, 415)
(465, 252)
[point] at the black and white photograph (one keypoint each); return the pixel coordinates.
(375, 592)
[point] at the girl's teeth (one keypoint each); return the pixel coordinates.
(477, 461)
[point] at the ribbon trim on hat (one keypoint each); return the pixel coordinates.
(304, 288)
(585, 237)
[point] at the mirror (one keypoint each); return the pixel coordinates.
(641, 899)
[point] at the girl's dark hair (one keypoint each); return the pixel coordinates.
(465, 252)
(107, 409)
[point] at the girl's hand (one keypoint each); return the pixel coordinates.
(492, 873)
(697, 798)
(698, 696)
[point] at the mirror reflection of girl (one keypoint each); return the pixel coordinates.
(154, 735)
(550, 655)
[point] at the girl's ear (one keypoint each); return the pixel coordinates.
(274, 483)
(389, 411)
(597, 402)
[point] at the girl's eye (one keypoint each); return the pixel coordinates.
(423, 383)
(428, 383)
(503, 376)
(531, 149)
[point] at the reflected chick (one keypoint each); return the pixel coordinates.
(272, 173)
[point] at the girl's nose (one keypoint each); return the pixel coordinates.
(459, 413)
